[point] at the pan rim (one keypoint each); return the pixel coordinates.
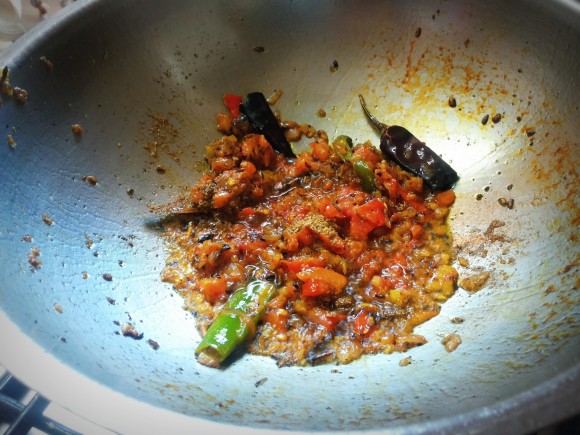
(514, 414)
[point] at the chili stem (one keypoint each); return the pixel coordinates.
(378, 124)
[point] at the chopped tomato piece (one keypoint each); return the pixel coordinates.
(278, 302)
(320, 151)
(325, 318)
(416, 231)
(294, 241)
(412, 199)
(277, 318)
(368, 153)
(360, 228)
(349, 198)
(252, 245)
(212, 288)
(332, 241)
(305, 237)
(391, 188)
(233, 102)
(316, 287)
(367, 217)
(445, 198)
(373, 212)
(363, 323)
(246, 213)
(257, 149)
(303, 164)
(222, 164)
(230, 184)
(395, 190)
(329, 210)
(336, 280)
(297, 264)
(224, 122)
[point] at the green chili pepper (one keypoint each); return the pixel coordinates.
(342, 145)
(366, 175)
(236, 322)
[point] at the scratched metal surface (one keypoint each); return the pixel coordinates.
(120, 68)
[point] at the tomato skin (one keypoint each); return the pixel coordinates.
(349, 199)
(373, 211)
(232, 102)
(360, 228)
(212, 288)
(367, 217)
(327, 209)
(256, 149)
(325, 281)
(416, 231)
(246, 213)
(327, 319)
(320, 151)
(445, 198)
(278, 319)
(230, 184)
(316, 287)
(394, 189)
(224, 122)
(298, 264)
(368, 153)
(305, 237)
(363, 323)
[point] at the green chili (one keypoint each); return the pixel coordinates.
(366, 175)
(235, 323)
(342, 145)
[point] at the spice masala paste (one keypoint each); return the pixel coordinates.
(358, 263)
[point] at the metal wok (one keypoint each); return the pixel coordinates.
(144, 81)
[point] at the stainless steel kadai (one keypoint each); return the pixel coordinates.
(80, 254)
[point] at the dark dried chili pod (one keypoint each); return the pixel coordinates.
(258, 111)
(399, 144)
